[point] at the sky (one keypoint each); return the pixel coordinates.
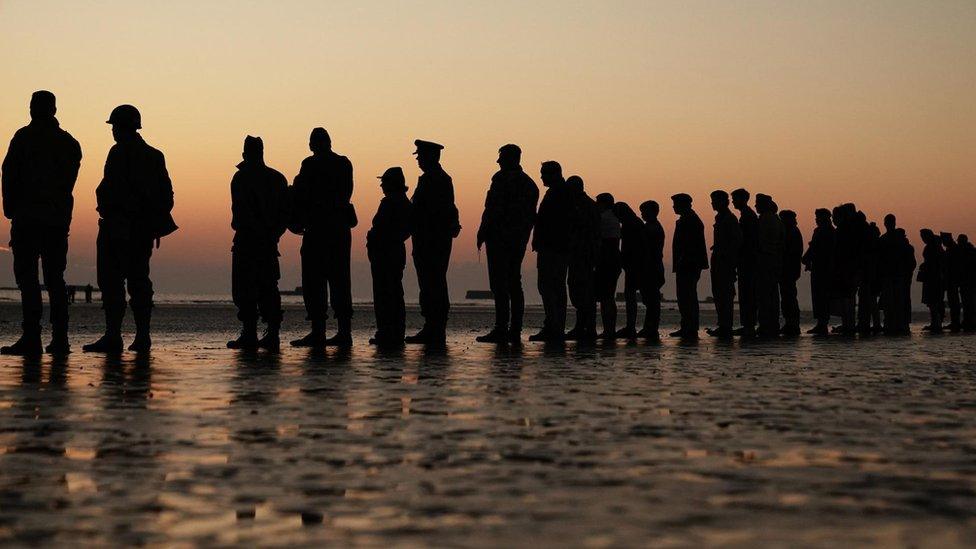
(814, 103)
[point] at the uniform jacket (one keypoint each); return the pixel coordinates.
(688, 251)
(792, 253)
(135, 196)
(654, 240)
(434, 214)
(321, 194)
(392, 225)
(509, 209)
(259, 205)
(555, 221)
(726, 243)
(749, 223)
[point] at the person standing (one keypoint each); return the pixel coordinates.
(324, 216)
(585, 238)
(505, 228)
(954, 267)
(435, 227)
(608, 265)
(967, 282)
(135, 203)
(554, 222)
(634, 260)
(690, 258)
(932, 276)
(792, 259)
(769, 266)
(39, 173)
(748, 257)
(387, 256)
(654, 273)
(259, 211)
(847, 252)
(726, 244)
(896, 265)
(819, 260)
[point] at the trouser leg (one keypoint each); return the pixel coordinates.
(515, 292)
(26, 252)
(789, 303)
(111, 280)
(499, 284)
(747, 299)
(338, 275)
(651, 296)
(243, 286)
(269, 296)
(952, 295)
(54, 259)
(723, 293)
(687, 289)
(630, 303)
(314, 292)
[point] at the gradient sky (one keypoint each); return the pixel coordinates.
(815, 103)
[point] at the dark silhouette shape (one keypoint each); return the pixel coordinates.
(654, 274)
(555, 220)
(967, 283)
(896, 265)
(608, 266)
(847, 252)
(259, 208)
(792, 258)
(954, 267)
(769, 266)
(89, 290)
(819, 260)
(748, 259)
(634, 258)
(387, 255)
(690, 257)
(135, 201)
(867, 278)
(72, 292)
(585, 238)
(726, 251)
(505, 228)
(435, 227)
(931, 273)
(39, 173)
(324, 216)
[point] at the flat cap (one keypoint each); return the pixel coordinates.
(426, 146)
(720, 194)
(511, 148)
(788, 214)
(681, 198)
(740, 193)
(392, 174)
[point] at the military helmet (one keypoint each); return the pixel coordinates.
(125, 115)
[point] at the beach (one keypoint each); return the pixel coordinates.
(806, 442)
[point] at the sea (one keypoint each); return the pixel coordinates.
(808, 442)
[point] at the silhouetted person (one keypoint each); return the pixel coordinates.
(653, 279)
(259, 216)
(39, 174)
(435, 226)
(505, 228)
(954, 265)
(324, 216)
(931, 273)
(89, 290)
(585, 237)
(387, 254)
(135, 201)
(819, 260)
(748, 258)
(967, 283)
(867, 296)
(555, 220)
(896, 265)
(792, 265)
(608, 266)
(726, 251)
(635, 260)
(848, 238)
(690, 257)
(72, 292)
(769, 266)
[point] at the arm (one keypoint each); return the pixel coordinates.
(11, 177)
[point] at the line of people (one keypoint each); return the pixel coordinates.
(583, 246)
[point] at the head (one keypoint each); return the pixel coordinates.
(649, 210)
(551, 173)
(890, 223)
(788, 217)
(963, 240)
(720, 200)
(509, 157)
(428, 154)
(126, 121)
(625, 213)
(740, 198)
(946, 239)
(681, 203)
(575, 183)
(253, 150)
(764, 203)
(319, 141)
(393, 182)
(42, 105)
(928, 236)
(604, 201)
(823, 217)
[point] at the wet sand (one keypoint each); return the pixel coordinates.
(808, 442)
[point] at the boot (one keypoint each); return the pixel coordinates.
(271, 340)
(59, 342)
(29, 344)
(111, 342)
(419, 337)
(248, 340)
(627, 332)
(315, 338)
(496, 335)
(343, 337)
(143, 342)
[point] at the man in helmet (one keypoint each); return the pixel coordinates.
(135, 201)
(325, 217)
(39, 175)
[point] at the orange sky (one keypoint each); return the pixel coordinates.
(814, 103)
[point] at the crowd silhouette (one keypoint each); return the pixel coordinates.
(583, 246)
